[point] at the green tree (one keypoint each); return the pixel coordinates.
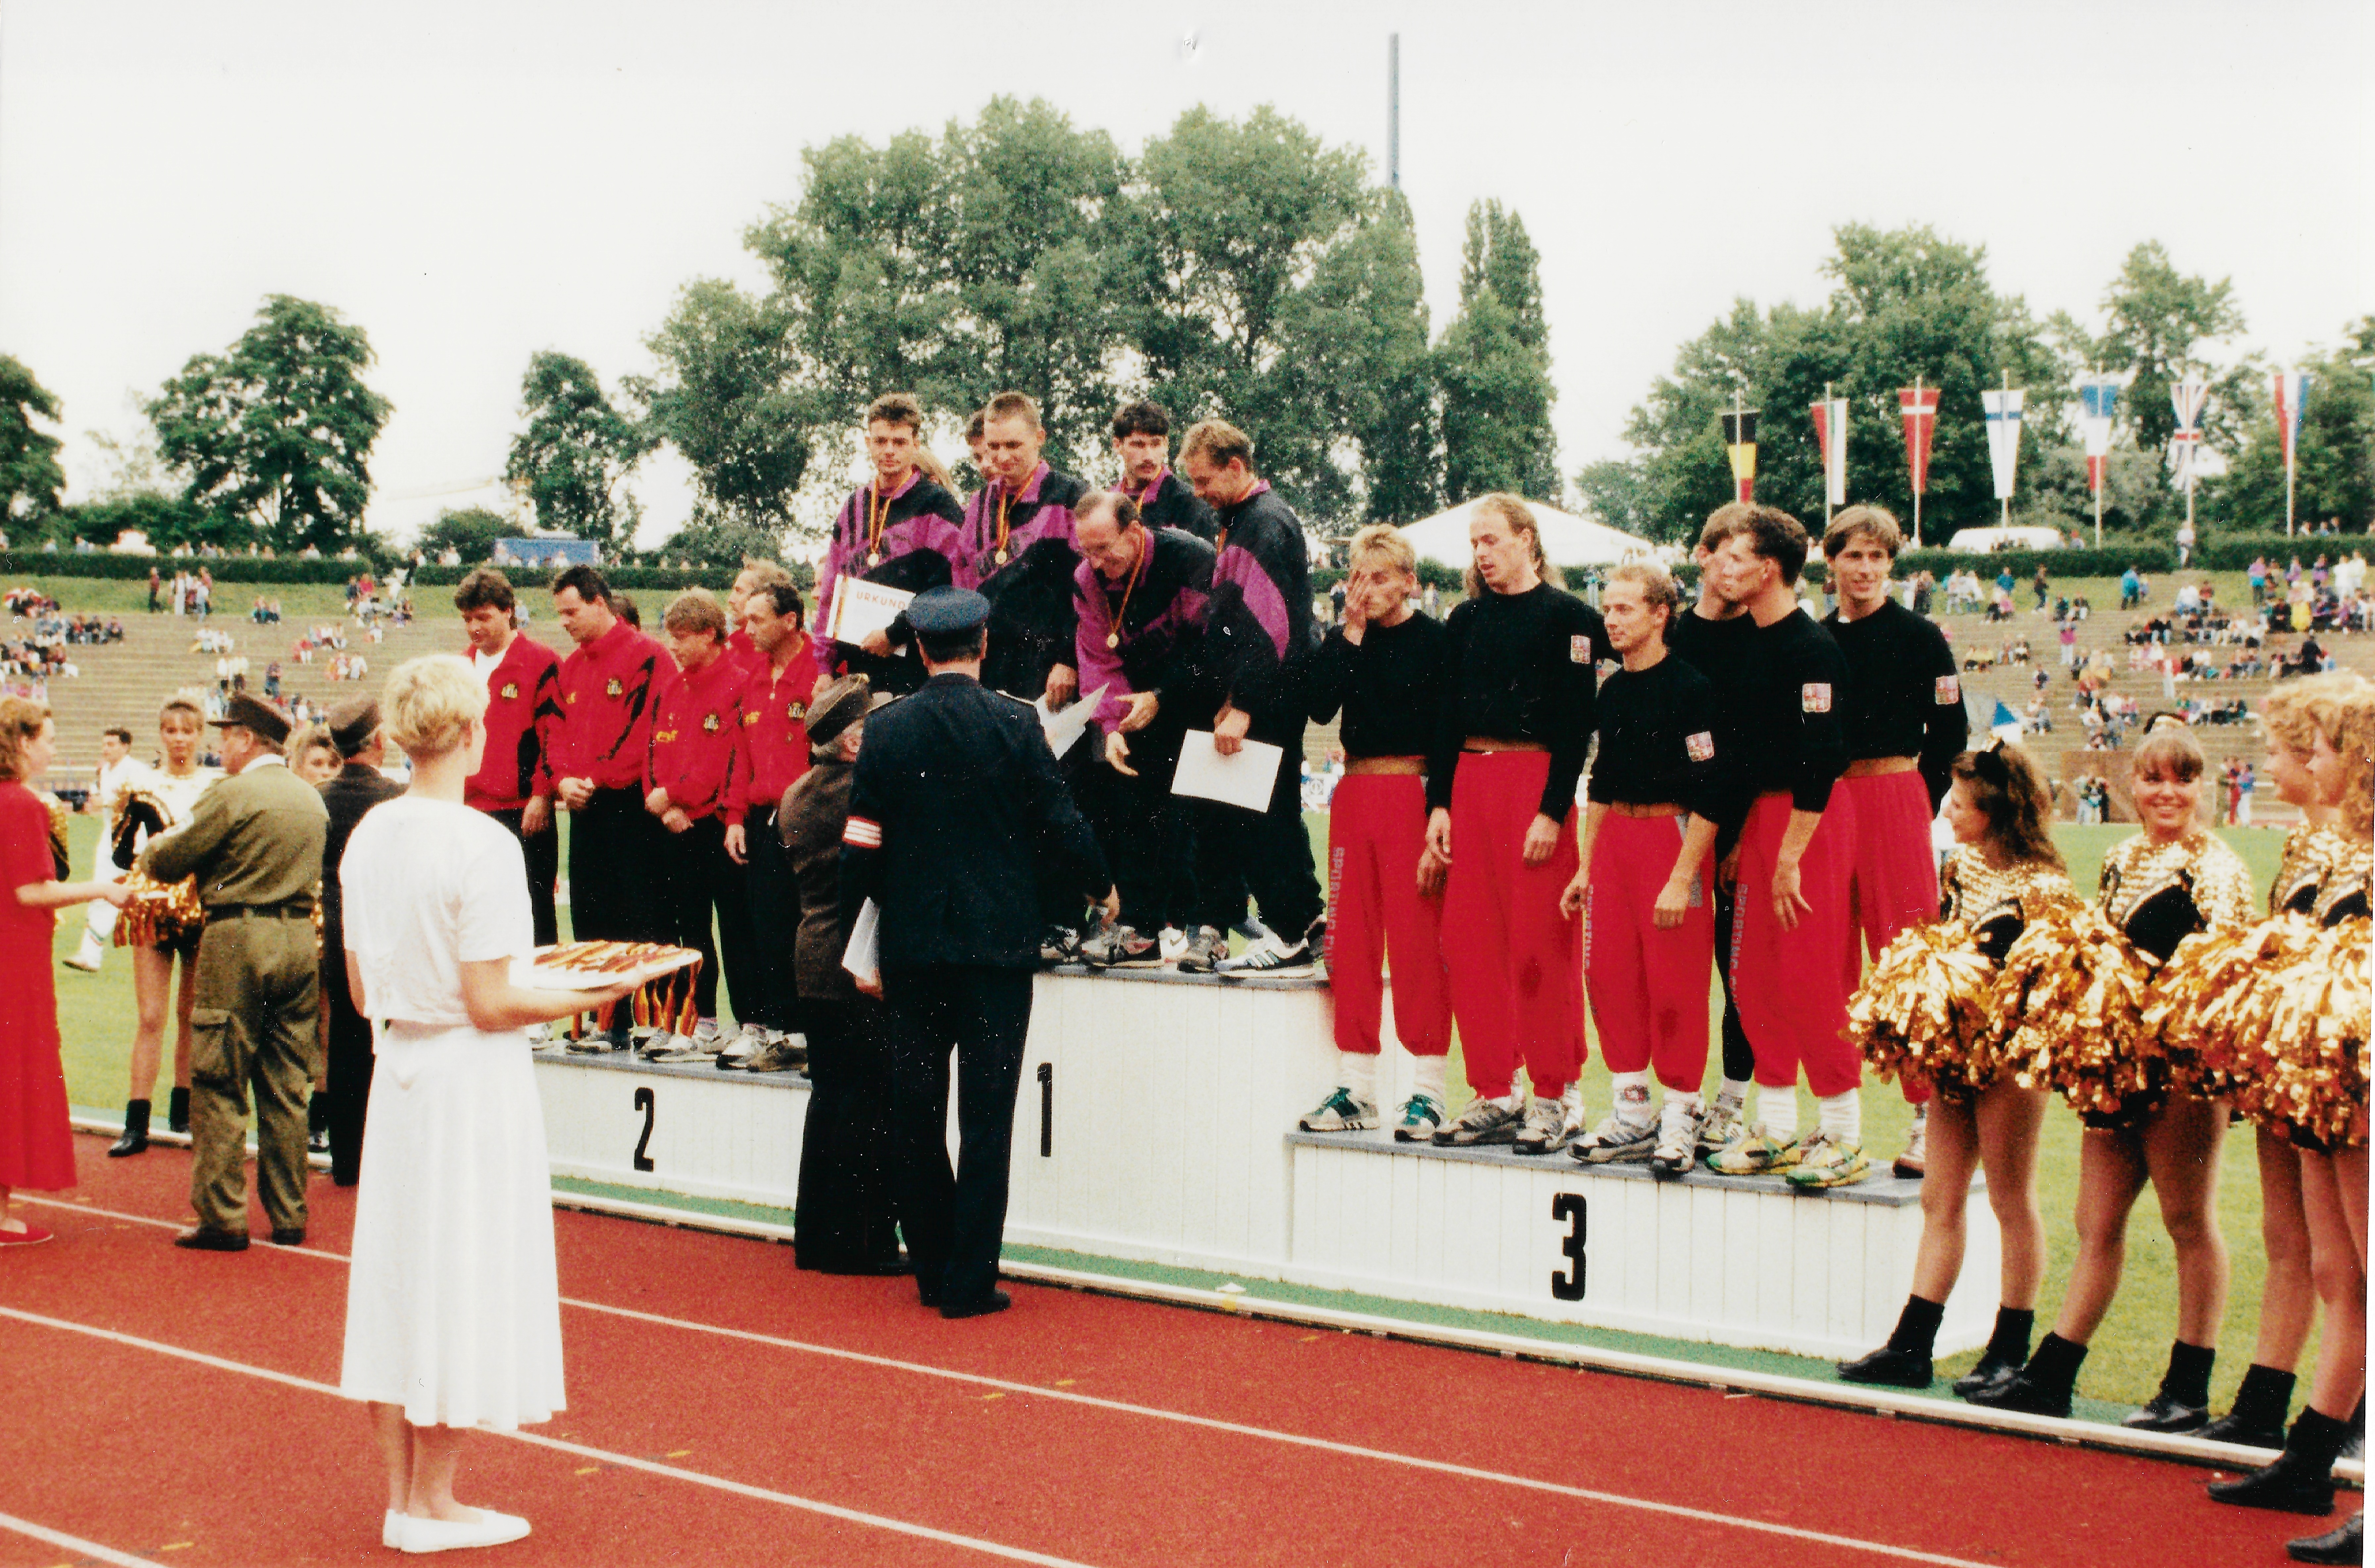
(1494, 365)
(471, 532)
(727, 398)
(575, 454)
(2334, 469)
(29, 475)
(1369, 368)
(2159, 324)
(275, 435)
(718, 543)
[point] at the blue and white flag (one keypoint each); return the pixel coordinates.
(2004, 434)
(2005, 726)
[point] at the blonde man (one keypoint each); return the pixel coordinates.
(1384, 668)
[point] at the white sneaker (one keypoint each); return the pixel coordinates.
(88, 957)
(1172, 943)
(745, 1040)
(1678, 1137)
(1544, 1130)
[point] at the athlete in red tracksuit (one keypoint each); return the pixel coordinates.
(513, 783)
(1384, 668)
(1905, 724)
(1796, 844)
(1500, 788)
(691, 779)
(774, 754)
(1646, 885)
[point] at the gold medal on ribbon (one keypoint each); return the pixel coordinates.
(1112, 638)
(1002, 558)
(874, 560)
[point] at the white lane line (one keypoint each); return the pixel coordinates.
(1238, 1429)
(624, 1461)
(88, 1548)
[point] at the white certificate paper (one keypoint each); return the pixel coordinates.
(1242, 779)
(1063, 726)
(860, 607)
(862, 958)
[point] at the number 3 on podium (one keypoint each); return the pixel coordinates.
(1567, 1285)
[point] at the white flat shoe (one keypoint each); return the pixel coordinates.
(415, 1534)
(391, 1527)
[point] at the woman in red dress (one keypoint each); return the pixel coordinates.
(36, 1141)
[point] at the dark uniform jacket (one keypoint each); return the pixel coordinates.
(1030, 592)
(1157, 626)
(810, 820)
(1168, 502)
(910, 539)
(254, 838)
(1258, 631)
(347, 796)
(955, 811)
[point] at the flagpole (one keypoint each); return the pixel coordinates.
(2013, 438)
(2103, 477)
(2286, 417)
(1917, 489)
(1828, 412)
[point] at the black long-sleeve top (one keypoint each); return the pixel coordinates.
(1257, 632)
(1390, 688)
(1904, 698)
(1720, 651)
(1657, 740)
(1794, 685)
(1522, 668)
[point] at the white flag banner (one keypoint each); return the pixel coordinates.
(1831, 435)
(2099, 402)
(2186, 399)
(2004, 434)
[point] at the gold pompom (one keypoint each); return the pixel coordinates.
(2067, 1015)
(2276, 1020)
(158, 913)
(1923, 1007)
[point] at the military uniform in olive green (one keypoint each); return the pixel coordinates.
(254, 843)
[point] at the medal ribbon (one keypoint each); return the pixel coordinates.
(1138, 570)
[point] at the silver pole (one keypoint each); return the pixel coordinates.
(1394, 111)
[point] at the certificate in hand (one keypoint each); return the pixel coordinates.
(1242, 779)
(860, 607)
(1063, 726)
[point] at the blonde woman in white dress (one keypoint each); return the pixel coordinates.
(453, 1300)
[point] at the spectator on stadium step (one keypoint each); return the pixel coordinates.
(902, 529)
(1644, 879)
(1257, 636)
(1500, 790)
(1905, 722)
(693, 785)
(1140, 596)
(515, 784)
(1791, 867)
(1384, 668)
(596, 757)
(1142, 438)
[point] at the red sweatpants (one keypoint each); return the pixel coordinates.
(1893, 881)
(1793, 998)
(1649, 987)
(1376, 830)
(1514, 960)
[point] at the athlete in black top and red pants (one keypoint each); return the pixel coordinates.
(1647, 875)
(1500, 788)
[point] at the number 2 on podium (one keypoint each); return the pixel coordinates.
(648, 1103)
(1567, 1285)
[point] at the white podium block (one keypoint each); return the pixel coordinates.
(674, 1127)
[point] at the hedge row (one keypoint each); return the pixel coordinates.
(236, 571)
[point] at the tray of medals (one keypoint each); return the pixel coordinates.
(665, 999)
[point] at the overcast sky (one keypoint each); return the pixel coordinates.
(471, 183)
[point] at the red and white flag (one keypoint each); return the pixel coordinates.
(2292, 390)
(1831, 436)
(1921, 406)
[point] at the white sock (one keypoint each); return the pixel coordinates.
(1676, 1097)
(1426, 1077)
(1632, 1095)
(1732, 1091)
(1842, 1116)
(1358, 1072)
(1778, 1109)
(1516, 1100)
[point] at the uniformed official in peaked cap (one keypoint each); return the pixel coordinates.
(956, 815)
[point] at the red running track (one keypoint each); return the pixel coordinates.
(726, 1409)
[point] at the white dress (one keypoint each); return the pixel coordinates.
(453, 1300)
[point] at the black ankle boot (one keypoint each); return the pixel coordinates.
(1888, 1365)
(2183, 1402)
(317, 1125)
(2300, 1479)
(2258, 1419)
(136, 1130)
(2042, 1387)
(2345, 1545)
(1991, 1371)
(2007, 1349)
(177, 1113)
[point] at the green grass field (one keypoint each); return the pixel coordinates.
(95, 1015)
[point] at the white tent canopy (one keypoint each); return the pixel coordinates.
(1567, 539)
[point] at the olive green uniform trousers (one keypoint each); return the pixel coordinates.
(253, 1023)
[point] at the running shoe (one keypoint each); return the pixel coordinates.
(777, 1057)
(1172, 941)
(1205, 948)
(738, 1046)
(1059, 944)
(1617, 1140)
(1120, 947)
(1339, 1112)
(1486, 1120)
(1916, 1157)
(1678, 1136)
(1719, 1125)
(1827, 1160)
(1269, 960)
(1753, 1154)
(1420, 1119)
(1545, 1130)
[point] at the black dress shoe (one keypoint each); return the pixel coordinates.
(205, 1238)
(2167, 1413)
(295, 1238)
(997, 1300)
(135, 1131)
(1890, 1367)
(2239, 1425)
(1991, 1371)
(2343, 1545)
(2290, 1483)
(177, 1111)
(2019, 1393)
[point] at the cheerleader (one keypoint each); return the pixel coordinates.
(2158, 888)
(2004, 870)
(2287, 1294)
(2332, 1176)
